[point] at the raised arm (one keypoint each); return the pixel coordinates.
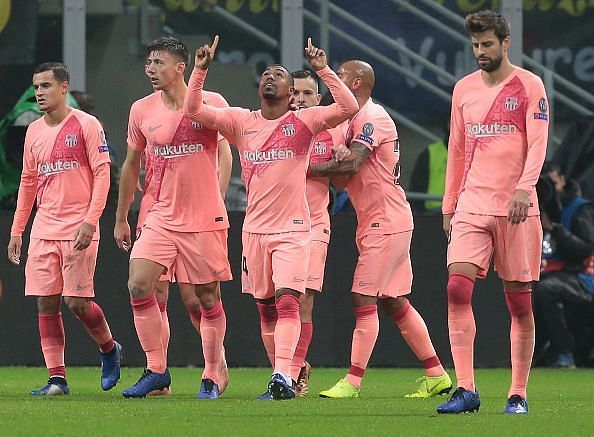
(345, 105)
(194, 106)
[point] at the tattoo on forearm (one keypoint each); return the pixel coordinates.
(350, 165)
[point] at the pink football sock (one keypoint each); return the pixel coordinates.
(94, 322)
(51, 331)
(462, 328)
(214, 323)
(415, 333)
(165, 331)
(268, 318)
(286, 333)
(301, 350)
(521, 336)
(364, 338)
(147, 319)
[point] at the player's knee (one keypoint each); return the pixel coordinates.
(393, 305)
(519, 304)
(77, 305)
(207, 295)
(459, 289)
(193, 306)
(139, 286)
(49, 304)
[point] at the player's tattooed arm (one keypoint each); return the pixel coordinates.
(350, 165)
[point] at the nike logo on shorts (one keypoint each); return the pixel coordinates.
(296, 279)
(364, 284)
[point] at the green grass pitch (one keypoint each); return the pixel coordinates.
(561, 403)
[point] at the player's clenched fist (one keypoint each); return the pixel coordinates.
(205, 54)
(315, 56)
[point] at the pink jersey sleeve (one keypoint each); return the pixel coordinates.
(220, 119)
(346, 104)
(96, 143)
(99, 194)
(98, 155)
(455, 163)
(537, 128)
(27, 191)
(215, 99)
(136, 138)
(320, 118)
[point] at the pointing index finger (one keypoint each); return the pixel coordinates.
(309, 44)
(215, 43)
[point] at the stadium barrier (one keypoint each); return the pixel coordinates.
(333, 314)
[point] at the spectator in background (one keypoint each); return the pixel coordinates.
(563, 296)
(428, 176)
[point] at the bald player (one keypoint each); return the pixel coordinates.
(384, 233)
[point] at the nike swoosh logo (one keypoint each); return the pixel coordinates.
(364, 284)
(296, 279)
(152, 129)
(311, 278)
(248, 132)
(81, 287)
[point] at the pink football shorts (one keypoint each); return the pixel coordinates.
(55, 267)
(194, 257)
(274, 261)
(383, 268)
(517, 248)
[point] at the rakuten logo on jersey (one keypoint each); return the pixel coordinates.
(169, 151)
(50, 168)
(480, 130)
(268, 156)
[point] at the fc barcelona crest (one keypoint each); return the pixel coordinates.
(511, 103)
(196, 125)
(288, 129)
(71, 140)
(320, 147)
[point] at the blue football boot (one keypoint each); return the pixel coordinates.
(279, 388)
(266, 396)
(208, 390)
(516, 404)
(110, 367)
(55, 387)
(148, 382)
(461, 401)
